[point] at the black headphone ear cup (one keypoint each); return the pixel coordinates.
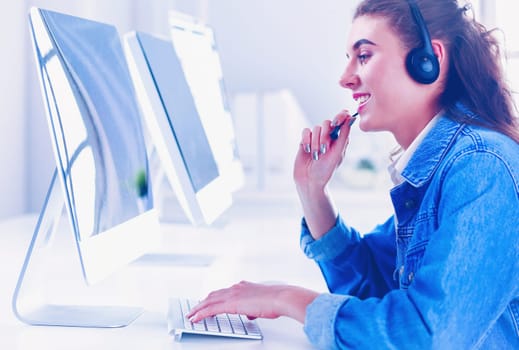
(421, 63)
(422, 66)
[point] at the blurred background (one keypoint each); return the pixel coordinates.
(281, 62)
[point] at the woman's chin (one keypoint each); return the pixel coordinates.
(365, 125)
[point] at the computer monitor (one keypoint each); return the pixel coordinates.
(177, 131)
(196, 47)
(102, 167)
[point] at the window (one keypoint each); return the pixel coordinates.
(506, 20)
(499, 14)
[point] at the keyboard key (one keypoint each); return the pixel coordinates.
(184, 306)
(251, 327)
(212, 324)
(187, 323)
(237, 324)
(224, 323)
(199, 326)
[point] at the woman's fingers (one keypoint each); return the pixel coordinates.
(207, 307)
(306, 139)
(246, 298)
(316, 142)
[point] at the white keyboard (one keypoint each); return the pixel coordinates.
(224, 325)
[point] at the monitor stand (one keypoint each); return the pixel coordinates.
(28, 303)
(170, 259)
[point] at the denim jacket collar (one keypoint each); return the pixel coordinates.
(431, 151)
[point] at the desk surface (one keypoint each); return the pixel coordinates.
(252, 243)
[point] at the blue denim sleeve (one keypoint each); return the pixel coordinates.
(352, 264)
(321, 317)
(331, 245)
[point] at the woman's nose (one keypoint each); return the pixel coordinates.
(349, 80)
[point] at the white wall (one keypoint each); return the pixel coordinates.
(264, 45)
(296, 44)
(13, 153)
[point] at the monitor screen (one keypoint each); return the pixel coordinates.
(176, 128)
(95, 127)
(195, 45)
(183, 117)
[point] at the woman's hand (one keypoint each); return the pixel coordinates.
(319, 155)
(255, 300)
(317, 159)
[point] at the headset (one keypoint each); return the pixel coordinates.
(421, 63)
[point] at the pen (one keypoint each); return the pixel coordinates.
(334, 134)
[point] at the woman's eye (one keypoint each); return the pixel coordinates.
(363, 58)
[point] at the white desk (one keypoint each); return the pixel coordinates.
(264, 248)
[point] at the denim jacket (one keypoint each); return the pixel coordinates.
(443, 271)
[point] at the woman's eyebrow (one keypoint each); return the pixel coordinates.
(360, 42)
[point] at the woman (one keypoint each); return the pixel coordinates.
(443, 271)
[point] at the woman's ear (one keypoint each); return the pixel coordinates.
(440, 52)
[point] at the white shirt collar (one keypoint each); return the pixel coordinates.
(398, 165)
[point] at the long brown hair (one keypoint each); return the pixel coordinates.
(475, 76)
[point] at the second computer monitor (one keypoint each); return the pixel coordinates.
(175, 127)
(195, 44)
